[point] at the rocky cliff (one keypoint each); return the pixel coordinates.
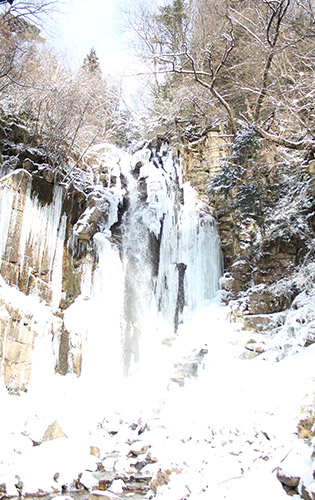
(80, 242)
(87, 251)
(47, 228)
(262, 198)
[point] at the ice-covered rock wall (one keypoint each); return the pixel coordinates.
(95, 276)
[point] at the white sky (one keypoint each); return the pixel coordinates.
(101, 24)
(97, 23)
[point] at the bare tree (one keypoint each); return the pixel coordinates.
(247, 57)
(20, 24)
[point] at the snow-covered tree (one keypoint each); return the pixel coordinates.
(252, 61)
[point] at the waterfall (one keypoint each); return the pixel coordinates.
(171, 254)
(138, 285)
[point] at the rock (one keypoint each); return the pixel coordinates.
(139, 465)
(3, 490)
(16, 340)
(261, 322)
(264, 302)
(95, 451)
(102, 495)
(305, 428)
(48, 175)
(293, 482)
(138, 448)
(88, 223)
(54, 431)
(308, 492)
(19, 484)
(161, 479)
(28, 165)
(253, 346)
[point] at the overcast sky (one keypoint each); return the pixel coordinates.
(101, 24)
(94, 23)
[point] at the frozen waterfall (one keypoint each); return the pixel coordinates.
(136, 290)
(171, 253)
(142, 290)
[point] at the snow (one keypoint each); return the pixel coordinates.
(223, 434)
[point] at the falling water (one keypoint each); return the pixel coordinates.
(171, 254)
(136, 291)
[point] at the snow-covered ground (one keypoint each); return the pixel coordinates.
(223, 435)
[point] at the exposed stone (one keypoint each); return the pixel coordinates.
(3, 490)
(54, 431)
(264, 302)
(293, 482)
(63, 355)
(16, 347)
(201, 160)
(311, 167)
(48, 175)
(95, 451)
(262, 322)
(306, 428)
(28, 165)
(308, 494)
(253, 346)
(42, 189)
(138, 448)
(93, 217)
(77, 360)
(161, 479)
(102, 495)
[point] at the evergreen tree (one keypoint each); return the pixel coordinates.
(91, 63)
(172, 20)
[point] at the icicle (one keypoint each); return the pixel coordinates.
(4, 341)
(6, 204)
(40, 230)
(94, 319)
(56, 279)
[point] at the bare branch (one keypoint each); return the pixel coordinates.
(302, 145)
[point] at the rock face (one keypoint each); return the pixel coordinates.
(263, 204)
(16, 345)
(202, 161)
(31, 235)
(90, 256)
(46, 245)
(47, 230)
(26, 264)
(34, 220)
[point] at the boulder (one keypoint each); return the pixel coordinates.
(308, 492)
(95, 451)
(293, 482)
(88, 224)
(53, 431)
(3, 490)
(102, 495)
(262, 322)
(264, 302)
(117, 486)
